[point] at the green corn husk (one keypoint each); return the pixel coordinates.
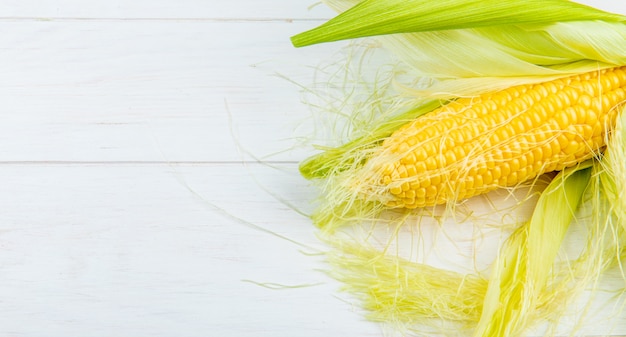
(521, 272)
(472, 61)
(465, 48)
(375, 17)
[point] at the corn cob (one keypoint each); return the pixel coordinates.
(475, 145)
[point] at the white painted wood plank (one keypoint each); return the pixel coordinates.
(128, 250)
(606, 5)
(148, 250)
(283, 9)
(164, 9)
(152, 91)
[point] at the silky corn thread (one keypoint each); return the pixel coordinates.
(474, 145)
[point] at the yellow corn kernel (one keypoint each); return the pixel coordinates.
(478, 144)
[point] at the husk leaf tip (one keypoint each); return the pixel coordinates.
(382, 17)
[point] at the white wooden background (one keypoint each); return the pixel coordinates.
(125, 178)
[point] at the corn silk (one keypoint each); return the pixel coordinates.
(558, 238)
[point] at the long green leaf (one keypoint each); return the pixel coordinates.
(381, 17)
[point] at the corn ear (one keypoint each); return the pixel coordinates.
(470, 48)
(474, 145)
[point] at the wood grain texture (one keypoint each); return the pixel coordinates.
(166, 9)
(152, 250)
(132, 200)
(174, 91)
